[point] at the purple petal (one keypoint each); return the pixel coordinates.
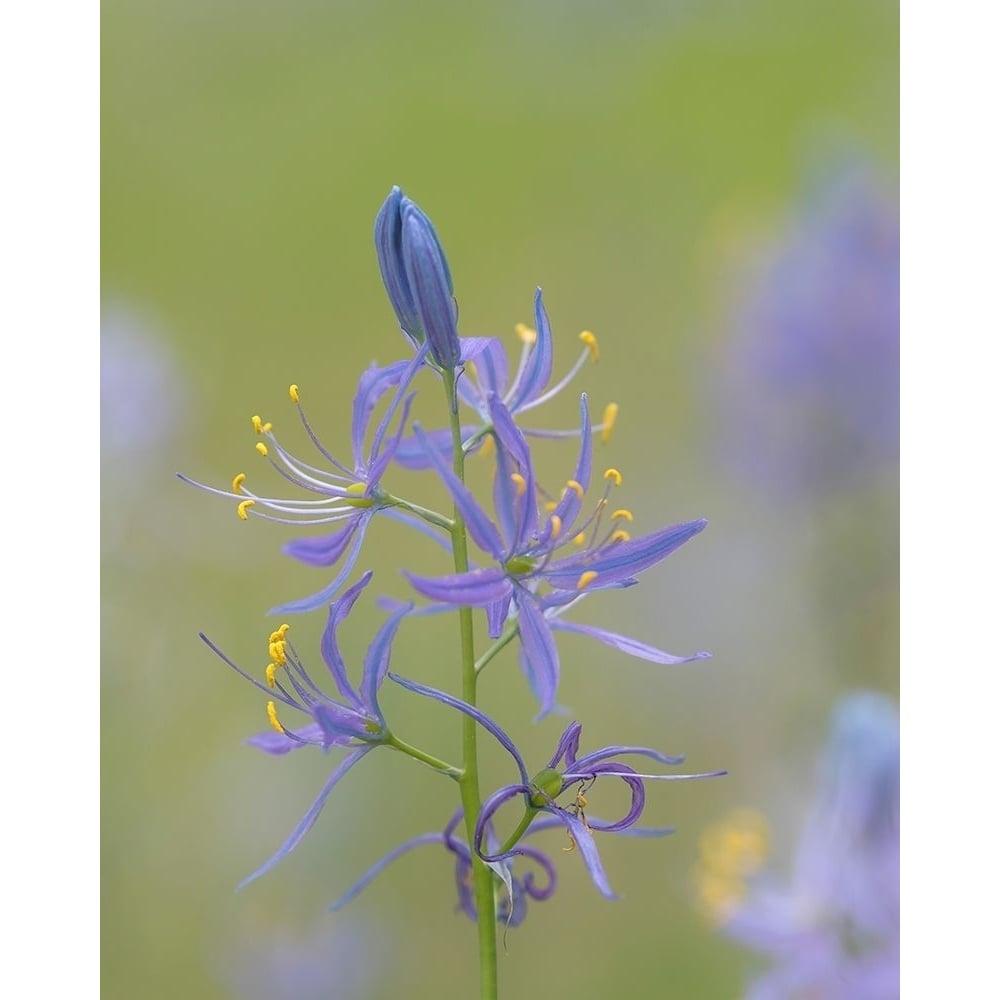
(409, 371)
(627, 775)
(472, 347)
(419, 524)
(310, 817)
(475, 589)
(588, 851)
(383, 863)
(372, 386)
(482, 529)
(606, 753)
(389, 250)
(500, 797)
(567, 747)
(534, 376)
(491, 373)
(626, 644)
(340, 725)
(570, 504)
(377, 660)
(326, 549)
(496, 615)
(484, 720)
(339, 610)
(540, 654)
(509, 437)
(327, 594)
(623, 559)
(278, 744)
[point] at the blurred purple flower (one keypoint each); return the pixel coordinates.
(811, 390)
(833, 929)
(353, 720)
(529, 548)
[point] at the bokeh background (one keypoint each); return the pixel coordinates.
(708, 186)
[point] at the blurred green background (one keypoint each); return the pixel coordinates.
(627, 157)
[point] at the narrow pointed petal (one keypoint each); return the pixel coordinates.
(570, 504)
(588, 851)
(400, 397)
(511, 439)
(567, 747)
(496, 616)
(278, 744)
(412, 453)
(377, 660)
(339, 610)
(483, 530)
(380, 866)
(340, 725)
(623, 559)
(473, 347)
(484, 720)
(535, 375)
(430, 285)
(307, 821)
(491, 372)
(372, 386)
(540, 654)
(324, 550)
(327, 594)
(475, 589)
(419, 524)
(606, 753)
(381, 457)
(626, 644)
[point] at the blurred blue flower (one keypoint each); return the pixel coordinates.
(353, 720)
(832, 930)
(811, 389)
(530, 549)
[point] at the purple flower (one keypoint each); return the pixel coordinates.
(486, 375)
(348, 496)
(547, 560)
(417, 278)
(832, 930)
(354, 719)
(511, 908)
(812, 381)
(541, 792)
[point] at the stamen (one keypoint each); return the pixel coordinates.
(276, 650)
(572, 484)
(272, 717)
(580, 539)
(550, 505)
(622, 515)
(572, 843)
(269, 674)
(620, 535)
(259, 426)
(293, 393)
(587, 577)
(610, 416)
(238, 480)
(243, 507)
(261, 448)
(278, 635)
(282, 629)
(526, 334)
(591, 341)
(556, 525)
(613, 474)
(518, 480)
(486, 448)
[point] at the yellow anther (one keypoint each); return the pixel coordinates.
(556, 525)
(276, 650)
(591, 341)
(572, 843)
(269, 674)
(608, 422)
(572, 484)
(518, 480)
(272, 717)
(280, 633)
(579, 539)
(293, 393)
(550, 505)
(258, 424)
(586, 578)
(620, 535)
(242, 507)
(526, 334)
(238, 480)
(613, 474)
(622, 515)
(261, 448)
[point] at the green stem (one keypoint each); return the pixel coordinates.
(425, 758)
(469, 781)
(495, 648)
(529, 815)
(424, 513)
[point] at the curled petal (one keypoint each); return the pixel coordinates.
(626, 644)
(380, 866)
(627, 775)
(567, 747)
(307, 821)
(606, 753)
(485, 818)
(484, 720)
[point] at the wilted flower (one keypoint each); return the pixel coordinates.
(417, 278)
(554, 550)
(833, 929)
(352, 720)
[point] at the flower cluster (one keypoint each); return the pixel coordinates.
(832, 929)
(544, 553)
